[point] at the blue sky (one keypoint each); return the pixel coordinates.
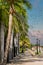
(36, 21)
(36, 15)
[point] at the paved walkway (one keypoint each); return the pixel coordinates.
(27, 59)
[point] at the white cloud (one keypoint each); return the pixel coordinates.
(36, 33)
(36, 3)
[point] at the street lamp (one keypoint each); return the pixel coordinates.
(37, 45)
(38, 42)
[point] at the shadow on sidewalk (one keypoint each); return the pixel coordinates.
(22, 59)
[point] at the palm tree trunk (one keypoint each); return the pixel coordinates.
(8, 37)
(0, 41)
(18, 42)
(11, 47)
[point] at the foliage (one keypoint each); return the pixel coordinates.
(20, 23)
(19, 16)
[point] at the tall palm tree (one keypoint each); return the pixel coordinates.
(15, 7)
(0, 42)
(3, 18)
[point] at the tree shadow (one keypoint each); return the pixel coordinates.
(20, 61)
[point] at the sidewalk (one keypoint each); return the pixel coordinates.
(26, 59)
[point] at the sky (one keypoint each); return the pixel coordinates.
(36, 15)
(36, 20)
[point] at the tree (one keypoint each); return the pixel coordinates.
(2, 23)
(14, 9)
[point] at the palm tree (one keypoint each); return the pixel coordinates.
(2, 23)
(15, 8)
(0, 43)
(3, 18)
